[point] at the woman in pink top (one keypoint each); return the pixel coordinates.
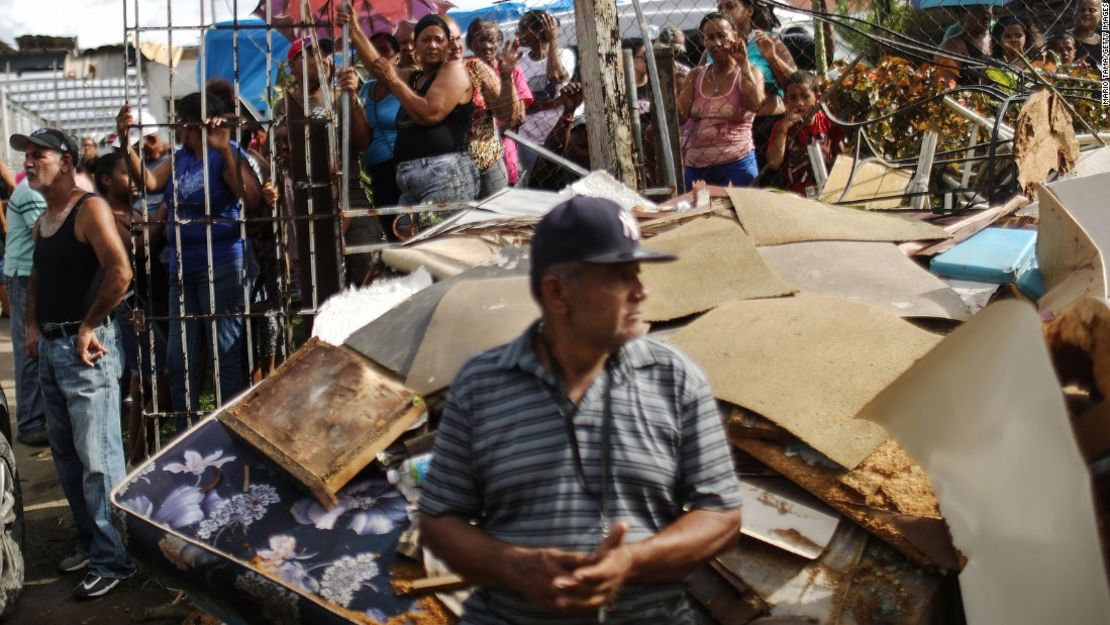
(720, 100)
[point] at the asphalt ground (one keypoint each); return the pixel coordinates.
(50, 535)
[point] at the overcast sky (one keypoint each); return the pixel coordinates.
(100, 22)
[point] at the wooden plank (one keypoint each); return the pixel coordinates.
(324, 416)
(607, 120)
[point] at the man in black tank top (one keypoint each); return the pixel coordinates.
(79, 275)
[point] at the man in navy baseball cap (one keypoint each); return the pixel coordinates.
(588, 230)
(591, 457)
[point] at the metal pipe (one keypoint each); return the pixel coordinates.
(548, 154)
(247, 249)
(634, 109)
(344, 172)
(305, 13)
(656, 97)
(1004, 130)
(213, 330)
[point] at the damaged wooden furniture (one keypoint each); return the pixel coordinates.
(324, 416)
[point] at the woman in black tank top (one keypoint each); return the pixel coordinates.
(434, 121)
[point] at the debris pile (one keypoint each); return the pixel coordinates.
(904, 458)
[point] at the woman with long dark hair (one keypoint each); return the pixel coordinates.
(433, 164)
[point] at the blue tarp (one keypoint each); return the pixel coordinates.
(506, 12)
(219, 54)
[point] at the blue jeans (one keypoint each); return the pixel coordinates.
(30, 415)
(739, 173)
(444, 178)
(227, 285)
(82, 421)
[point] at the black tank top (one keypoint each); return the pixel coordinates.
(65, 269)
(449, 135)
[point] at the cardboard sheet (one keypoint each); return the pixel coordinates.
(809, 363)
(444, 257)
(872, 180)
(475, 315)
(1026, 522)
(772, 218)
(717, 262)
(872, 273)
(1071, 260)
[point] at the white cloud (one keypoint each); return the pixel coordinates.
(101, 22)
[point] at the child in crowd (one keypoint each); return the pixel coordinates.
(803, 124)
(1062, 46)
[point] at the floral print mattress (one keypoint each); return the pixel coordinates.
(213, 516)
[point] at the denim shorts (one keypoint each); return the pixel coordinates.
(739, 173)
(444, 178)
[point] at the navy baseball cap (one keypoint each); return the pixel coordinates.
(51, 138)
(590, 230)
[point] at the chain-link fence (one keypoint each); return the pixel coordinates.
(230, 270)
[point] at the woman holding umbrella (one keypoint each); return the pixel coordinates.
(432, 126)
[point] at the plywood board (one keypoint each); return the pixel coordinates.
(474, 316)
(1026, 522)
(872, 273)
(871, 180)
(717, 262)
(324, 416)
(1070, 259)
(888, 494)
(772, 218)
(809, 363)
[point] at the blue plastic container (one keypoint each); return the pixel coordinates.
(994, 255)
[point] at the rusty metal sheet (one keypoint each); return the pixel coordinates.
(781, 514)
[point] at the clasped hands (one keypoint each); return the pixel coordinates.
(564, 581)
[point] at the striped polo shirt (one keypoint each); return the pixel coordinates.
(503, 457)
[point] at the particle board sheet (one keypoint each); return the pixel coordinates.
(772, 218)
(393, 339)
(444, 257)
(875, 273)
(474, 316)
(1026, 522)
(888, 494)
(809, 363)
(871, 180)
(717, 262)
(324, 416)
(1071, 260)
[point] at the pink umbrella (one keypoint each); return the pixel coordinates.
(378, 16)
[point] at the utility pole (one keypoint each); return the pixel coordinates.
(607, 118)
